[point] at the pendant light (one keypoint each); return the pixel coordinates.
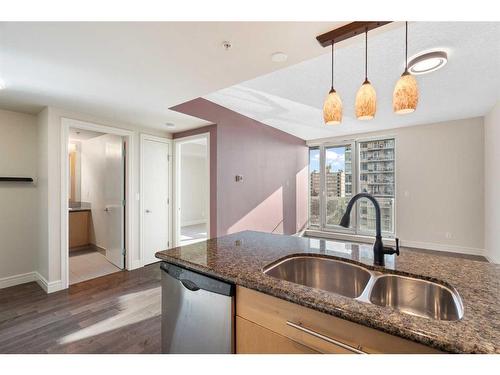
(332, 107)
(405, 95)
(366, 98)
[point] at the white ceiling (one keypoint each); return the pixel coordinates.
(291, 99)
(133, 72)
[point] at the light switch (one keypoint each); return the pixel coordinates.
(238, 178)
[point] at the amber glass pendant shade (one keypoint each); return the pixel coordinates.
(332, 108)
(366, 102)
(405, 95)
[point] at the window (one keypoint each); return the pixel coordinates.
(376, 176)
(338, 171)
(338, 182)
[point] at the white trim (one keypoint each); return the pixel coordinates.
(147, 137)
(66, 124)
(49, 287)
(22, 278)
(177, 143)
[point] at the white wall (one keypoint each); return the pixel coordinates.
(439, 185)
(492, 183)
(51, 159)
(194, 185)
(18, 201)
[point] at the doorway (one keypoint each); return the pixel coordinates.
(192, 222)
(96, 204)
(96, 188)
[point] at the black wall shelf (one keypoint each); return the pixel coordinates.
(16, 179)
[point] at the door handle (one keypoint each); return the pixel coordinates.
(106, 209)
(147, 211)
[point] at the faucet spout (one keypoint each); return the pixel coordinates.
(379, 250)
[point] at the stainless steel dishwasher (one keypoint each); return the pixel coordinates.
(197, 312)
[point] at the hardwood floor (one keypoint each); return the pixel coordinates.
(116, 313)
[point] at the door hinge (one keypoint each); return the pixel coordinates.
(168, 157)
(124, 202)
(124, 252)
(168, 200)
(168, 243)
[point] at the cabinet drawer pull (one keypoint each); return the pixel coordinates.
(325, 338)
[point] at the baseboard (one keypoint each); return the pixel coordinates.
(23, 278)
(444, 248)
(193, 222)
(49, 287)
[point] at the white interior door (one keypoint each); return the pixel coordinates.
(155, 210)
(114, 200)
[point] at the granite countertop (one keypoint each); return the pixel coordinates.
(239, 258)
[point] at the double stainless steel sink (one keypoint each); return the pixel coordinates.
(407, 294)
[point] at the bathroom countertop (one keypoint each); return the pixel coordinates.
(240, 257)
(78, 209)
(79, 206)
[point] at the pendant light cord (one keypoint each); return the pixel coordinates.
(366, 54)
(332, 64)
(406, 48)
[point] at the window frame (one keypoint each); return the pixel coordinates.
(309, 182)
(356, 185)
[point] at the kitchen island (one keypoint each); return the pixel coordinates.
(240, 258)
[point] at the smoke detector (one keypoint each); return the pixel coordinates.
(279, 57)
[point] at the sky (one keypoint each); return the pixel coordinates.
(334, 157)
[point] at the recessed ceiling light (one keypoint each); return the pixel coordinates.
(279, 57)
(427, 62)
(169, 125)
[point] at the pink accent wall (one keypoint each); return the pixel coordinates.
(272, 196)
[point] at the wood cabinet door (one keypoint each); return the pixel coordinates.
(78, 228)
(254, 339)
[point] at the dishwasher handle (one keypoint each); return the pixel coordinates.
(195, 281)
(188, 284)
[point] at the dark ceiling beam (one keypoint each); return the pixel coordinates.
(348, 31)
